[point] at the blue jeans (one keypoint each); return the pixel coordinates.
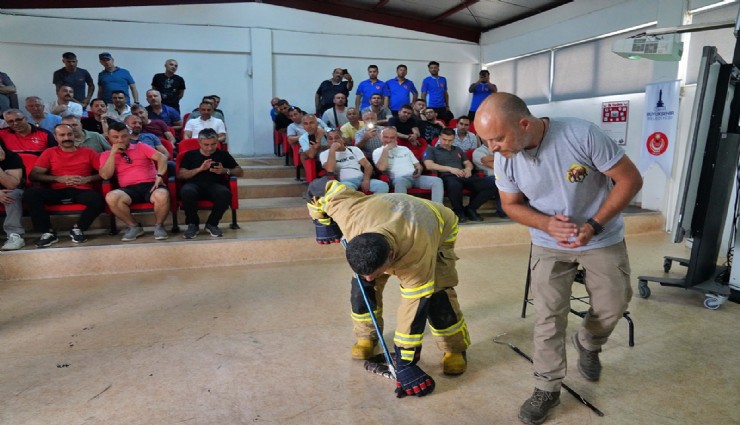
(401, 184)
(376, 186)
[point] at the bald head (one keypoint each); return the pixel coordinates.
(504, 122)
(501, 106)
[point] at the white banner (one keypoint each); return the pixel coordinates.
(660, 126)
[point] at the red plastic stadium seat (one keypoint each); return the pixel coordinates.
(109, 185)
(418, 151)
(189, 145)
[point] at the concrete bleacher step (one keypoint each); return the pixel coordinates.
(270, 188)
(268, 171)
(255, 242)
(260, 161)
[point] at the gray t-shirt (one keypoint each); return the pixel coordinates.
(335, 121)
(565, 177)
(372, 143)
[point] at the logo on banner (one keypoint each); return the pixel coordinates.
(657, 143)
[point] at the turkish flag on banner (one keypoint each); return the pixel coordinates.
(660, 126)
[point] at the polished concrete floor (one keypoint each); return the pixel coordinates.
(270, 344)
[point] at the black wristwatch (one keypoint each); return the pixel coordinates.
(161, 175)
(598, 228)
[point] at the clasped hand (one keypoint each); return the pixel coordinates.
(568, 234)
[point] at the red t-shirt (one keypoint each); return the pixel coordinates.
(82, 162)
(34, 142)
(142, 168)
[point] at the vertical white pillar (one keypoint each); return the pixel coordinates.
(262, 88)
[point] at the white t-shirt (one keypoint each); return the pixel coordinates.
(401, 161)
(118, 116)
(196, 125)
(348, 162)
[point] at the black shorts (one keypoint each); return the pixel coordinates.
(139, 192)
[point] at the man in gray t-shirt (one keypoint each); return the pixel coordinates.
(569, 182)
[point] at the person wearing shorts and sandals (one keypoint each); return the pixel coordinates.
(140, 171)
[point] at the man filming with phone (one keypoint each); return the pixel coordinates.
(205, 173)
(340, 82)
(368, 137)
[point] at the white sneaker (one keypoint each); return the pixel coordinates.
(15, 241)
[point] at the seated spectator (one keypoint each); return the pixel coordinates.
(274, 110)
(483, 161)
(456, 173)
(336, 116)
(38, 116)
(65, 103)
(368, 137)
(205, 172)
(97, 119)
(194, 126)
(217, 112)
(155, 127)
(22, 137)
(118, 110)
(431, 127)
(403, 167)
(84, 138)
(313, 141)
(295, 129)
(158, 111)
(71, 172)
(418, 108)
(376, 106)
(133, 122)
(351, 128)
(350, 165)
(12, 182)
(213, 100)
(282, 119)
(6, 88)
(140, 172)
(406, 126)
(464, 139)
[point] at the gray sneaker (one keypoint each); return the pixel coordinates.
(588, 361)
(15, 241)
(192, 232)
(534, 411)
(214, 231)
(132, 233)
(159, 232)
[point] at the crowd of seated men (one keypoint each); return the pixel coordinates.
(75, 141)
(392, 139)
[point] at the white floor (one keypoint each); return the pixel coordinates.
(270, 344)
